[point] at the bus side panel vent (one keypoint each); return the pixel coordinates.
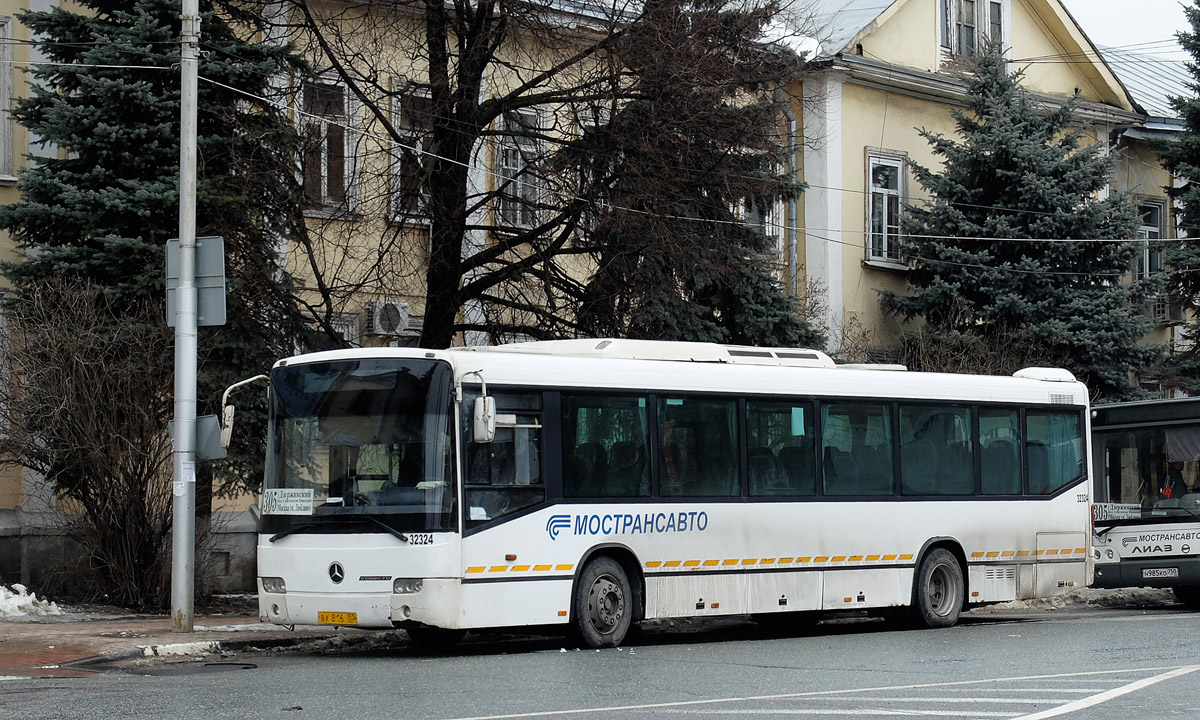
(1001, 573)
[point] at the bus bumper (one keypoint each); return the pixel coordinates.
(1156, 572)
(436, 604)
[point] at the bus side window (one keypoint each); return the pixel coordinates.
(1000, 458)
(1054, 444)
(936, 451)
(780, 457)
(604, 441)
(699, 448)
(505, 475)
(856, 449)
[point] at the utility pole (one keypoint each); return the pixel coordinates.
(183, 538)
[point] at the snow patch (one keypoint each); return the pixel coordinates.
(18, 601)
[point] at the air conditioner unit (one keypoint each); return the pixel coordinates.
(387, 317)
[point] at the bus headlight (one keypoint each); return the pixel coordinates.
(406, 586)
(274, 585)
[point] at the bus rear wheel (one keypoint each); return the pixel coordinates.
(939, 590)
(603, 604)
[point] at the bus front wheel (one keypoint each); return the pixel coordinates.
(939, 590)
(603, 604)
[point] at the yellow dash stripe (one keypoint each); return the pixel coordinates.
(730, 561)
(653, 563)
(1079, 551)
(498, 568)
(749, 561)
(889, 557)
(476, 569)
(542, 568)
(785, 561)
(691, 563)
(856, 558)
(520, 568)
(767, 561)
(822, 559)
(872, 558)
(839, 558)
(1052, 552)
(564, 567)
(1022, 553)
(673, 563)
(993, 553)
(1008, 553)
(803, 560)
(1040, 552)
(711, 563)
(906, 557)
(976, 554)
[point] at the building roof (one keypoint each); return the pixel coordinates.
(838, 22)
(1151, 80)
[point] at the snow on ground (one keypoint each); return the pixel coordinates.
(18, 601)
(1125, 598)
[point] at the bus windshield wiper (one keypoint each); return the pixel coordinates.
(294, 529)
(387, 527)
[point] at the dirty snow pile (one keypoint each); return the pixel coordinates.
(19, 601)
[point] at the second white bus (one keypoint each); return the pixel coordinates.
(592, 484)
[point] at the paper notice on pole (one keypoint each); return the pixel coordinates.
(180, 489)
(187, 471)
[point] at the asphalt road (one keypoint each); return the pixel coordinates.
(1100, 664)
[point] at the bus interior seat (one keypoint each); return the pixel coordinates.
(999, 461)
(874, 471)
(841, 472)
(626, 463)
(765, 478)
(589, 468)
(797, 462)
(919, 467)
(1039, 468)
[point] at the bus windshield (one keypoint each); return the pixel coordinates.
(1148, 472)
(355, 441)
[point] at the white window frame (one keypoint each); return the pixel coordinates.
(7, 161)
(892, 248)
(1149, 236)
(348, 124)
(417, 138)
(520, 192)
(966, 25)
(766, 221)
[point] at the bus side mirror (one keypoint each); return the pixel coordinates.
(485, 419)
(227, 426)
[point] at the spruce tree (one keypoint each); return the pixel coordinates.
(1015, 243)
(702, 140)
(98, 205)
(1182, 157)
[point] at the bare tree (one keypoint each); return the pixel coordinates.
(455, 177)
(84, 402)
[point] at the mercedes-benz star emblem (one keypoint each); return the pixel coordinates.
(336, 572)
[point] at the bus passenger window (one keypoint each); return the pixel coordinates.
(1053, 450)
(856, 449)
(505, 475)
(937, 456)
(604, 446)
(1000, 459)
(698, 448)
(781, 457)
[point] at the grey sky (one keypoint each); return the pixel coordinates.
(1146, 26)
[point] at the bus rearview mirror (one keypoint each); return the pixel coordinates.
(485, 419)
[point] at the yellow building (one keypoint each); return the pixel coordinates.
(889, 68)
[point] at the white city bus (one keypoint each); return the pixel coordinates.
(595, 483)
(1147, 494)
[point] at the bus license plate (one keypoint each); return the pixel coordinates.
(337, 618)
(1160, 572)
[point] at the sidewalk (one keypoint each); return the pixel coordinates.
(66, 645)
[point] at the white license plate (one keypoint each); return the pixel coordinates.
(1160, 572)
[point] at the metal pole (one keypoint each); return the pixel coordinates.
(183, 552)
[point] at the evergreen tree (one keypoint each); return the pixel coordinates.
(703, 139)
(1182, 157)
(1015, 244)
(100, 205)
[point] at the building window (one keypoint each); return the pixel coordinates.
(966, 25)
(6, 85)
(324, 120)
(763, 217)
(885, 186)
(521, 187)
(413, 118)
(1149, 233)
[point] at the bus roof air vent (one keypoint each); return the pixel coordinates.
(677, 351)
(1047, 374)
